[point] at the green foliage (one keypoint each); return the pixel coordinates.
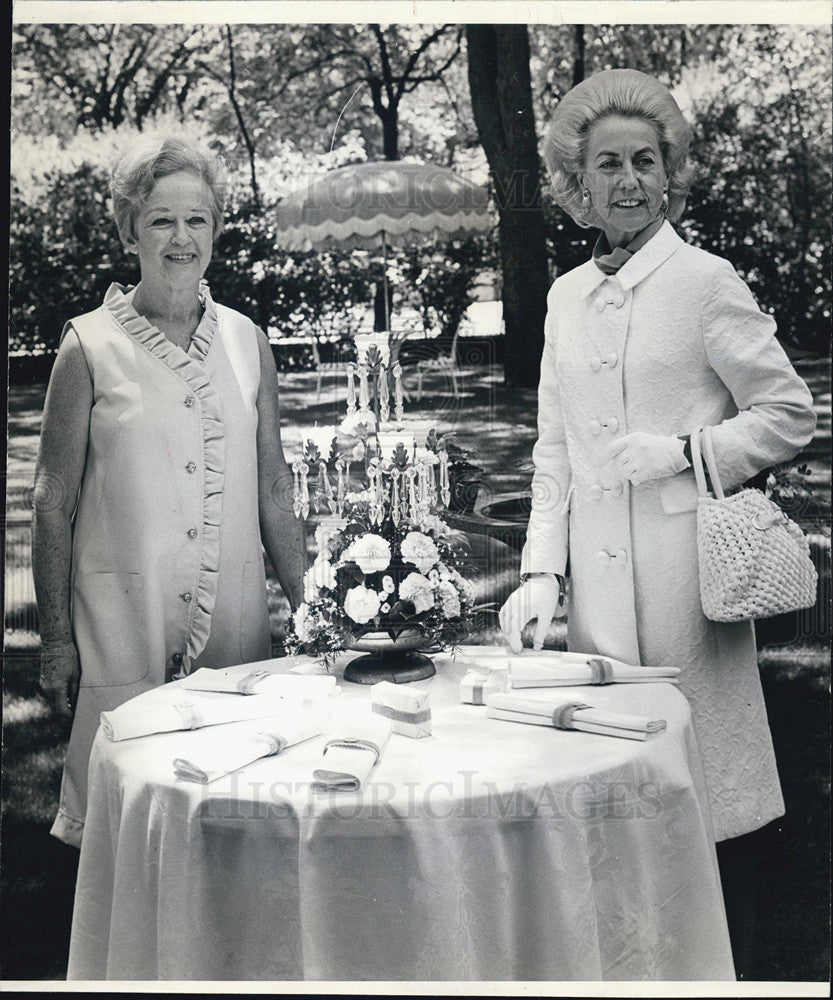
(441, 275)
(63, 254)
(763, 190)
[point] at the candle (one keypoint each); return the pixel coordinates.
(364, 341)
(397, 388)
(351, 388)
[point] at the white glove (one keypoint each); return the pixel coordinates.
(537, 598)
(642, 456)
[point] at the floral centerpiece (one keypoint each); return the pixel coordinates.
(386, 560)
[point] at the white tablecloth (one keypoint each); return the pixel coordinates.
(488, 851)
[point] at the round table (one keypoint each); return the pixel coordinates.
(490, 850)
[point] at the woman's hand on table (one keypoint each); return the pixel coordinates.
(541, 597)
(640, 456)
(60, 672)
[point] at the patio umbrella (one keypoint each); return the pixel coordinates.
(385, 202)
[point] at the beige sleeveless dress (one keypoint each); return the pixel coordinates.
(167, 564)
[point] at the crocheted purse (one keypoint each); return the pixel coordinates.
(754, 561)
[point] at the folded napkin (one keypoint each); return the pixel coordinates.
(240, 743)
(570, 715)
(351, 754)
(170, 708)
(555, 669)
(258, 680)
(407, 709)
(480, 681)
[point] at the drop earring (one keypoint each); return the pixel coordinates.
(664, 207)
(585, 203)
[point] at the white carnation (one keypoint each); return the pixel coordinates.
(420, 550)
(300, 622)
(361, 604)
(370, 552)
(417, 589)
(320, 574)
(448, 599)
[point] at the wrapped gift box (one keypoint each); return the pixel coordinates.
(408, 710)
(480, 681)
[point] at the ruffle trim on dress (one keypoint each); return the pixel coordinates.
(190, 369)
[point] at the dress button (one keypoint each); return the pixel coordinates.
(611, 359)
(186, 597)
(192, 532)
(622, 556)
(596, 492)
(191, 467)
(595, 363)
(613, 425)
(189, 400)
(176, 659)
(604, 557)
(595, 428)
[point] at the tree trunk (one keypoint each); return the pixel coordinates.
(578, 64)
(379, 307)
(501, 94)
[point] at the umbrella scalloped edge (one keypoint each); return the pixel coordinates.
(366, 232)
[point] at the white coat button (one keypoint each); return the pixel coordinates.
(613, 425)
(611, 359)
(604, 557)
(619, 301)
(595, 428)
(189, 401)
(617, 489)
(186, 597)
(191, 467)
(596, 492)
(192, 532)
(595, 363)
(621, 556)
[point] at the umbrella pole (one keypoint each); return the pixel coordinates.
(385, 280)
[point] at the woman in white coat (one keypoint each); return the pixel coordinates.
(647, 341)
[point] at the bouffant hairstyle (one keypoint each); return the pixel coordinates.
(153, 156)
(624, 92)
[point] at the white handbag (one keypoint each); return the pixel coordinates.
(754, 561)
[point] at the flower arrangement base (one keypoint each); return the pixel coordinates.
(394, 660)
(398, 668)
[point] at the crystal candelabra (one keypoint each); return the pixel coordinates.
(403, 479)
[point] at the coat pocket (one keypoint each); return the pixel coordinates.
(678, 494)
(110, 625)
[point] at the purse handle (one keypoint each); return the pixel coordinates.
(702, 438)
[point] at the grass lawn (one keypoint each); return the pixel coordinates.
(38, 872)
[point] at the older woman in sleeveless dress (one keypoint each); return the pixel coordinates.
(160, 474)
